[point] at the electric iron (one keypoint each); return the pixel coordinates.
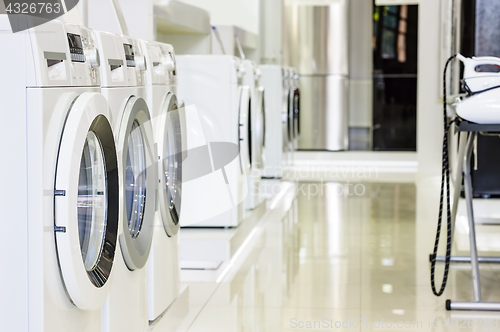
(481, 81)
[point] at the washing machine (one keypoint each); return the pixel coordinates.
(213, 84)
(163, 262)
(61, 211)
(123, 83)
(274, 81)
(256, 126)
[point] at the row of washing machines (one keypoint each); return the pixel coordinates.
(96, 140)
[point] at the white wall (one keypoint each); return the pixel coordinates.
(241, 13)
(429, 108)
(271, 32)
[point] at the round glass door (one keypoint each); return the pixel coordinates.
(170, 149)
(86, 201)
(92, 201)
(296, 101)
(250, 133)
(172, 164)
(138, 173)
(135, 180)
(290, 118)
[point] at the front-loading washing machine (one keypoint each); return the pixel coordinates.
(256, 127)
(274, 81)
(123, 73)
(63, 201)
(213, 83)
(163, 262)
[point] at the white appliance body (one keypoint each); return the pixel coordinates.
(64, 215)
(288, 114)
(251, 78)
(276, 137)
(124, 85)
(163, 262)
(482, 108)
(212, 83)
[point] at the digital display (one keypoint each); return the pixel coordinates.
(128, 49)
(76, 48)
(75, 41)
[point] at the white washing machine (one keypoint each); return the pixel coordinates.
(163, 263)
(123, 73)
(273, 80)
(213, 83)
(61, 212)
(251, 78)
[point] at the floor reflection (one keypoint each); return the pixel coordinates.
(341, 256)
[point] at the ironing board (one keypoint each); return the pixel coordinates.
(464, 163)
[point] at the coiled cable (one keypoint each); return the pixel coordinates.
(445, 182)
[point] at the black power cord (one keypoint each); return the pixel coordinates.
(445, 181)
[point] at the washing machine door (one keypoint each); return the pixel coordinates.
(296, 113)
(259, 127)
(138, 178)
(171, 154)
(244, 129)
(290, 119)
(86, 201)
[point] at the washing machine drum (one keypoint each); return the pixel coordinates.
(86, 201)
(170, 149)
(138, 179)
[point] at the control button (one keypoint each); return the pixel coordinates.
(168, 63)
(140, 62)
(93, 56)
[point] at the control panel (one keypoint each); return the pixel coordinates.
(76, 48)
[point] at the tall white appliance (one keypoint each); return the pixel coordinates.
(62, 211)
(123, 84)
(273, 80)
(163, 263)
(213, 84)
(256, 133)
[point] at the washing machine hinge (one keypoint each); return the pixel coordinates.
(59, 229)
(59, 192)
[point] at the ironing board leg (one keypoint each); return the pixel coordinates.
(457, 183)
(470, 216)
(476, 283)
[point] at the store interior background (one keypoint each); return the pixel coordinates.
(377, 132)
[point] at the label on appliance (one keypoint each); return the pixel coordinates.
(312, 2)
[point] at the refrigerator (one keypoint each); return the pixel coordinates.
(316, 44)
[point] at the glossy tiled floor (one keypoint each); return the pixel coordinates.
(357, 259)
